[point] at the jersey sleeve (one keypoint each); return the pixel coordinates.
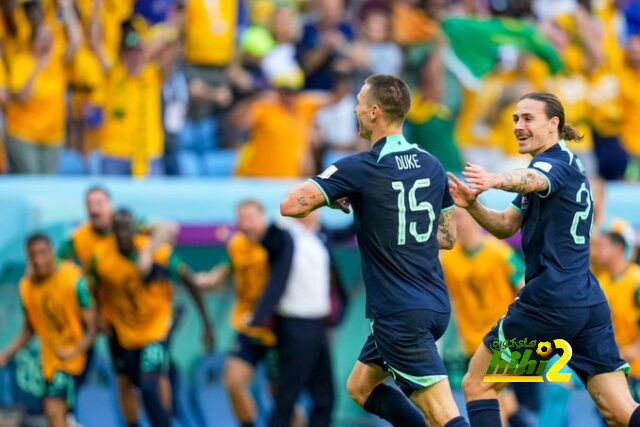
(175, 267)
(517, 268)
(554, 171)
(516, 203)
(341, 179)
(67, 250)
(447, 200)
(82, 291)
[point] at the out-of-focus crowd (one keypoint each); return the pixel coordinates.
(267, 88)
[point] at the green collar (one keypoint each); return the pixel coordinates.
(473, 252)
(396, 143)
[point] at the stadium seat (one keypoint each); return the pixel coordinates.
(190, 163)
(221, 162)
(71, 163)
(199, 136)
(93, 163)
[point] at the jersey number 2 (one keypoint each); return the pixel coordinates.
(414, 206)
(581, 215)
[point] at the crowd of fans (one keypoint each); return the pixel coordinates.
(267, 88)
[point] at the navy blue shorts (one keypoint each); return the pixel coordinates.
(151, 359)
(63, 386)
(405, 345)
(588, 330)
(253, 352)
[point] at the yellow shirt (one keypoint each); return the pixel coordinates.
(482, 284)
(250, 263)
(41, 119)
(139, 310)
(279, 139)
(211, 31)
(623, 295)
(13, 44)
(54, 310)
(133, 117)
(630, 101)
(82, 244)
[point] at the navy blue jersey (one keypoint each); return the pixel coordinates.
(397, 192)
(556, 234)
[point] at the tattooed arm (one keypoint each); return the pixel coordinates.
(447, 232)
(307, 197)
(521, 181)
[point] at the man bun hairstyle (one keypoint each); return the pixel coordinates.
(391, 94)
(553, 108)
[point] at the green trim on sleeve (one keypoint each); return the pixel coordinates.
(448, 208)
(326, 198)
(518, 270)
(93, 271)
(82, 291)
(512, 205)
(175, 267)
(548, 182)
(67, 250)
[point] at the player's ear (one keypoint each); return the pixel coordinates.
(553, 123)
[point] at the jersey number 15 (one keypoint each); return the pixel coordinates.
(414, 206)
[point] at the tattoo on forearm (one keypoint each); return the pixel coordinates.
(523, 181)
(306, 200)
(446, 238)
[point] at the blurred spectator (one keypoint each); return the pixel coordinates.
(280, 125)
(4, 97)
(286, 32)
(175, 101)
(211, 31)
(36, 117)
(629, 83)
(373, 51)
(132, 140)
(154, 11)
(336, 123)
(435, 106)
(325, 46)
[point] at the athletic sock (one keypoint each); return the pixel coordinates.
(391, 405)
(484, 413)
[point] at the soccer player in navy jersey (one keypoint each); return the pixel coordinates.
(403, 215)
(561, 298)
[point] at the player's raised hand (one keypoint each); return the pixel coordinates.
(65, 353)
(343, 204)
(463, 196)
(478, 178)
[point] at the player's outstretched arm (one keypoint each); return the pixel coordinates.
(447, 232)
(90, 321)
(307, 197)
(501, 224)
(214, 279)
(188, 279)
(18, 344)
(523, 181)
